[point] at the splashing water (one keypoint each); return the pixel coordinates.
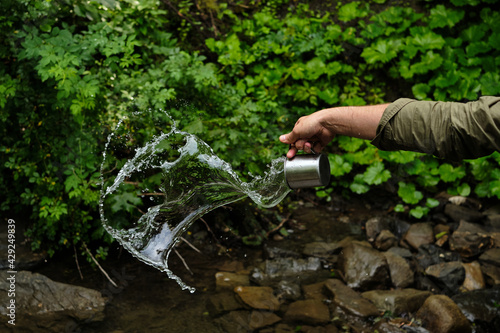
(154, 186)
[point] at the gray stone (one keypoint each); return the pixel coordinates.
(449, 274)
(491, 273)
(229, 281)
(349, 300)
(290, 266)
(400, 271)
(401, 301)
(260, 319)
(223, 302)
(43, 305)
(364, 268)
(419, 234)
(479, 304)
(458, 213)
(260, 298)
(374, 226)
(439, 314)
(401, 251)
(321, 249)
(473, 276)
(385, 240)
(491, 256)
(309, 311)
(470, 240)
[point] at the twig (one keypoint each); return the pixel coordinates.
(209, 230)
(279, 226)
(102, 270)
(183, 261)
(77, 264)
(190, 245)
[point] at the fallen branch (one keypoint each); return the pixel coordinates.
(102, 269)
(183, 261)
(77, 264)
(190, 245)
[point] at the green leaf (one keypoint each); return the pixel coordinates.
(350, 11)
(420, 90)
(419, 212)
(441, 17)
(376, 174)
(490, 84)
(382, 51)
(408, 193)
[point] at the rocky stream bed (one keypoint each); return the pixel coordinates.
(349, 266)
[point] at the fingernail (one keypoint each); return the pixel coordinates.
(283, 138)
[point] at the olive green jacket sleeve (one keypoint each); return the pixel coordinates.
(450, 130)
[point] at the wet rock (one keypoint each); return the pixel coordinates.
(491, 273)
(442, 234)
(290, 266)
(43, 305)
(479, 305)
(449, 274)
(309, 311)
(401, 301)
(288, 290)
(493, 221)
(439, 314)
(272, 252)
(419, 234)
(431, 254)
(260, 319)
(385, 240)
(229, 281)
(221, 303)
(401, 251)
(321, 249)
(314, 291)
(260, 298)
(349, 300)
(470, 240)
(400, 271)
(234, 321)
(458, 213)
(491, 256)
(364, 268)
(319, 329)
(374, 226)
(473, 276)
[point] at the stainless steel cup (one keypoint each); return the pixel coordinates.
(308, 170)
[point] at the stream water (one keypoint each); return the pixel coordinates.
(157, 180)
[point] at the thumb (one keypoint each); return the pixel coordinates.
(288, 138)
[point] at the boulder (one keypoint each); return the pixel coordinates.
(470, 239)
(419, 234)
(229, 281)
(479, 305)
(385, 240)
(363, 267)
(473, 276)
(451, 275)
(458, 213)
(401, 301)
(349, 300)
(439, 314)
(400, 271)
(309, 311)
(44, 305)
(260, 298)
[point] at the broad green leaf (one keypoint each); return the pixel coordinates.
(490, 84)
(419, 212)
(420, 90)
(382, 51)
(350, 11)
(441, 17)
(408, 193)
(376, 174)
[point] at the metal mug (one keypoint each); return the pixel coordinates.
(308, 170)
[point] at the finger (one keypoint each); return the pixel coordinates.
(318, 147)
(291, 152)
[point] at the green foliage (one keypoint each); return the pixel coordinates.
(236, 74)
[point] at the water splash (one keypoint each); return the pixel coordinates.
(154, 186)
